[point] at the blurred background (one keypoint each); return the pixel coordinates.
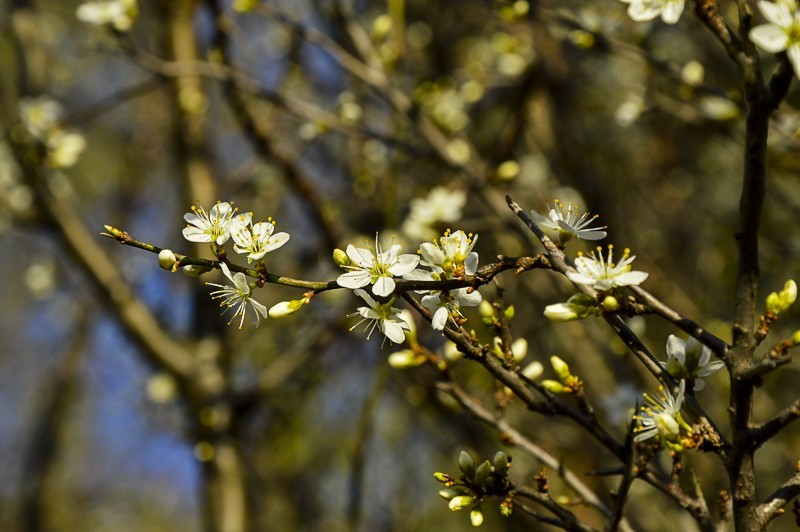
(128, 403)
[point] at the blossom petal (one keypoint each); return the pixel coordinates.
(355, 279)
(580, 278)
(794, 57)
(360, 256)
(440, 318)
(471, 263)
(392, 330)
(770, 38)
(431, 253)
(640, 12)
(672, 11)
(676, 348)
(383, 286)
(631, 278)
(778, 13)
(404, 264)
(194, 234)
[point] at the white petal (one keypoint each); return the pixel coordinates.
(360, 256)
(471, 263)
(365, 296)
(580, 278)
(393, 331)
(193, 234)
(277, 240)
(418, 275)
(777, 13)
(260, 309)
(794, 57)
(631, 278)
(770, 38)
(710, 368)
(672, 11)
(469, 299)
(543, 221)
(431, 253)
(240, 281)
(640, 12)
(383, 286)
(440, 319)
(355, 279)
(592, 234)
(405, 263)
(676, 348)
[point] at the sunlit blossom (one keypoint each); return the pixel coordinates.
(568, 223)
(237, 297)
(446, 305)
(377, 267)
(255, 239)
(451, 254)
(782, 33)
(389, 320)
(660, 416)
(602, 274)
(212, 226)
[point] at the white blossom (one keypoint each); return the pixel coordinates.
(255, 239)
(212, 226)
(386, 318)
(660, 416)
(237, 296)
(669, 10)
(602, 274)
(451, 255)
(376, 267)
(447, 303)
(782, 33)
(568, 223)
(690, 358)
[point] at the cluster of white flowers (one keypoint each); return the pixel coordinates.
(217, 226)
(40, 116)
(119, 14)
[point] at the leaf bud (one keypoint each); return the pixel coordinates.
(501, 462)
(482, 472)
(166, 259)
(340, 258)
(444, 478)
(466, 464)
(554, 386)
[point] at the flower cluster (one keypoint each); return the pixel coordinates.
(451, 257)
(568, 223)
(376, 267)
(120, 14)
(40, 117)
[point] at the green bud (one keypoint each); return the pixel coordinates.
(482, 472)
(773, 303)
(561, 369)
(442, 477)
(166, 259)
(451, 353)
(497, 348)
(476, 517)
(459, 502)
(501, 463)
(510, 312)
(287, 308)
(554, 386)
(610, 303)
(533, 370)
(340, 258)
(486, 309)
(789, 294)
(466, 464)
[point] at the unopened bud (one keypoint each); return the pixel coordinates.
(340, 258)
(466, 464)
(482, 472)
(561, 369)
(554, 386)
(778, 302)
(476, 517)
(460, 502)
(447, 493)
(497, 348)
(166, 259)
(405, 359)
(560, 312)
(451, 353)
(485, 309)
(501, 463)
(533, 370)
(287, 308)
(442, 477)
(194, 270)
(610, 303)
(519, 349)
(510, 312)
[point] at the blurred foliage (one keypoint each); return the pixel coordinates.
(587, 107)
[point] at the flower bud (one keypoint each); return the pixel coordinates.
(778, 302)
(560, 312)
(195, 270)
(519, 349)
(466, 464)
(451, 353)
(497, 348)
(405, 359)
(485, 309)
(561, 369)
(166, 259)
(460, 502)
(610, 303)
(533, 370)
(447, 493)
(442, 477)
(476, 517)
(287, 308)
(510, 312)
(482, 472)
(554, 386)
(340, 258)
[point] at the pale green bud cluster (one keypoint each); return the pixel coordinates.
(566, 383)
(778, 302)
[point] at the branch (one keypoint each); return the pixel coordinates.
(765, 431)
(773, 506)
